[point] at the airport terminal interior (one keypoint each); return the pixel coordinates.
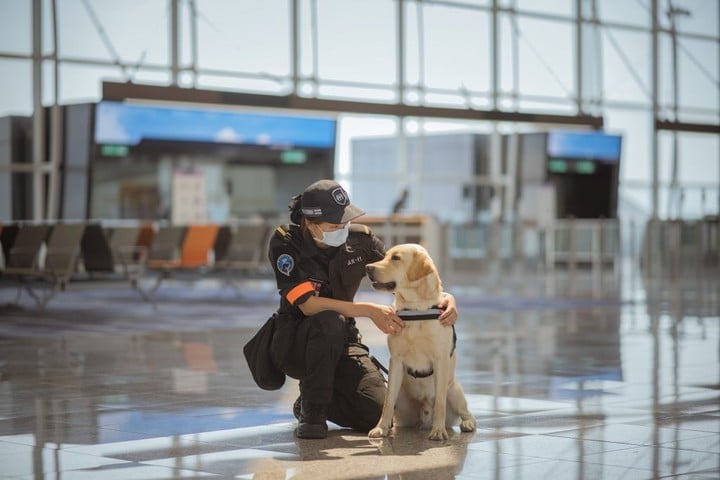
(558, 159)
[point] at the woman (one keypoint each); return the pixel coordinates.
(319, 261)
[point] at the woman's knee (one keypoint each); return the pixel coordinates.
(359, 393)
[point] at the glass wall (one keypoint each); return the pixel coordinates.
(509, 55)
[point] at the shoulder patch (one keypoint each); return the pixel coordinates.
(285, 264)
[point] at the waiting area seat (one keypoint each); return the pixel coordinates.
(7, 240)
(23, 252)
(222, 243)
(50, 255)
(166, 247)
(246, 249)
(113, 253)
(124, 246)
(182, 249)
(43, 259)
(198, 246)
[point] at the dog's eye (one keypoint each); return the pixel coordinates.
(395, 257)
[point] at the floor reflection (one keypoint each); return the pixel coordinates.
(568, 378)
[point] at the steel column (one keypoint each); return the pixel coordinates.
(174, 47)
(654, 150)
(55, 157)
(38, 120)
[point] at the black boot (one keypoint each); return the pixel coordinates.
(297, 408)
(313, 420)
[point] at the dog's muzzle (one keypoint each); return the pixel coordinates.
(389, 286)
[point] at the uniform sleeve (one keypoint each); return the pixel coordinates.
(293, 285)
(363, 239)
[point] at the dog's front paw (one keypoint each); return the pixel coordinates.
(438, 433)
(468, 425)
(378, 432)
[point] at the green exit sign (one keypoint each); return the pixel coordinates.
(114, 150)
(293, 156)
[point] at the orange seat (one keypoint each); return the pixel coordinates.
(145, 236)
(199, 241)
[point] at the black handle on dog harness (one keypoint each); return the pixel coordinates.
(412, 315)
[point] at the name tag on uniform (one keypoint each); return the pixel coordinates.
(354, 260)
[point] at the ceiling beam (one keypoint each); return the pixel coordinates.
(687, 127)
(133, 91)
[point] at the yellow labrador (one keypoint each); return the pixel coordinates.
(422, 389)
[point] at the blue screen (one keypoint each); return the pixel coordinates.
(584, 146)
(129, 124)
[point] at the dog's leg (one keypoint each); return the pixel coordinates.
(442, 369)
(395, 377)
(458, 403)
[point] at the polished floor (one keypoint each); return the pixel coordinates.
(570, 376)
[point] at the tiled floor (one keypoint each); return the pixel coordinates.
(578, 378)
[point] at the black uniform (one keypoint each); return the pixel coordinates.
(324, 351)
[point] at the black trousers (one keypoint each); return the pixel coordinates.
(334, 370)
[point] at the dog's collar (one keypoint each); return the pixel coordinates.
(429, 314)
(420, 373)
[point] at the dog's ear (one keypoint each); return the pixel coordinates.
(421, 266)
(431, 286)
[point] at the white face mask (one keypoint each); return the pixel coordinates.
(336, 237)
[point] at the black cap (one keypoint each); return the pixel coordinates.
(327, 201)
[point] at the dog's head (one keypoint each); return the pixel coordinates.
(408, 271)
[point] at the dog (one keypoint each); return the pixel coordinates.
(422, 389)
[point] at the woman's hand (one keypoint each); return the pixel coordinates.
(449, 307)
(385, 318)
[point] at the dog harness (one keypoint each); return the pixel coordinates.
(429, 314)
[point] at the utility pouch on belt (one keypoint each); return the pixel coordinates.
(283, 343)
(257, 353)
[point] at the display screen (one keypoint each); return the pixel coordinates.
(596, 146)
(119, 123)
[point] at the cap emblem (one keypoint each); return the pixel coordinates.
(340, 196)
